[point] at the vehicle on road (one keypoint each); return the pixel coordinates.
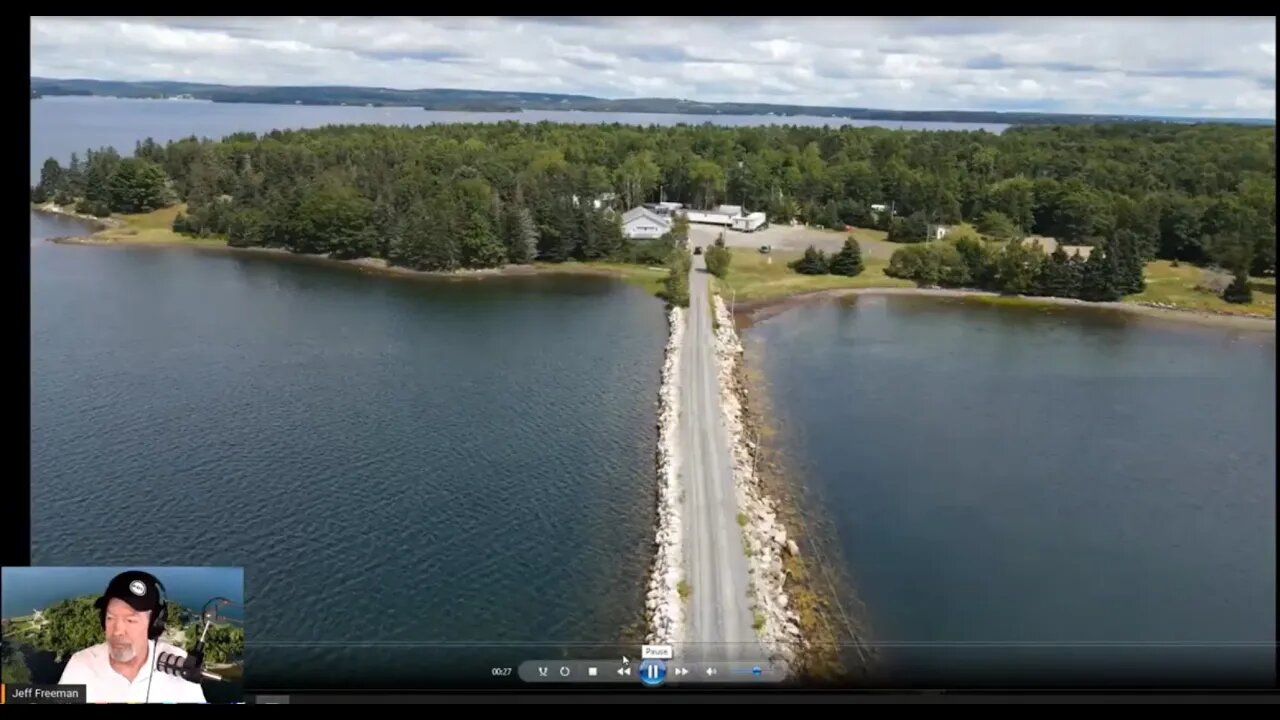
(697, 250)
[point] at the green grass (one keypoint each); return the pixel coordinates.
(754, 276)
(742, 519)
(1009, 300)
(648, 278)
(1171, 285)
(683, 590)
(154, 227)
(867, 234)
(20, 627)
(758, 621)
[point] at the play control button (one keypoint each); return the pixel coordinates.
(652, 672)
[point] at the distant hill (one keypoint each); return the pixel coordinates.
(490, 101)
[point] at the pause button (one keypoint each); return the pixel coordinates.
(652, 672)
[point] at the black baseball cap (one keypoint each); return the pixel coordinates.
(136, 588)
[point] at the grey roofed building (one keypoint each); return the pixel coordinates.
(640, 223)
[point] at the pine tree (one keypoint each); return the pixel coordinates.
(52, 181)
(100, 166)
(1058, 277)
(137, 186)
(913, 229)
(1098, 281)
(1075, 275)
(1128, 258)
(814, 262)
(73, 179)
(848, 261)
(519, 233)
(477, 242)
(609, 229)
(439, 246)
(589, 245)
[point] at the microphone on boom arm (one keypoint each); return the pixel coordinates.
(188, 668)
(191, 667)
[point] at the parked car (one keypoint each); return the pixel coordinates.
(697, 250)
(765, 249)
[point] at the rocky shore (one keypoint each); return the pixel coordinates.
(54, 209)
(663, 603)
(764, 534)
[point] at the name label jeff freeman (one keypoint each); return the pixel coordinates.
(26, 694)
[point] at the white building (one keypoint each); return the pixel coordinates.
(641, 223)
(729, 216)
(709, 217)
(749, 223)
(723, 215)
(937, 232)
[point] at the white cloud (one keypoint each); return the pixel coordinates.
(1159, 66)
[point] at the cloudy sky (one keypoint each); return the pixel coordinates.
(1175, 66)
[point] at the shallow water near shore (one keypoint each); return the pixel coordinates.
(1028, 495)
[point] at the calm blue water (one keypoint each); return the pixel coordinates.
(27, 589)
(63, 125)
(419, 478)
(999, 484)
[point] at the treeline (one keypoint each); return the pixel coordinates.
(454, 195)
(104, 183)
(847, 261)
(1112, 270)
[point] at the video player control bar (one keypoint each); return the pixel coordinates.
(651, 672)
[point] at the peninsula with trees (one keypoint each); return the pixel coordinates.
(451, 197)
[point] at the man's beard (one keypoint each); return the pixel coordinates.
(123, 653)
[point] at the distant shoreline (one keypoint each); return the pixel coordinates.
(751, 312)
(464, 100)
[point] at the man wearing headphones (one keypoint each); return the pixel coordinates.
(123, 668)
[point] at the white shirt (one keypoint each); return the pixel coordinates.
(91, 667)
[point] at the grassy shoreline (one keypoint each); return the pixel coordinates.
(757, 285)
(761, 286)
(155, 229)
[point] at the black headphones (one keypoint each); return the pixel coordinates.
(158, 618)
